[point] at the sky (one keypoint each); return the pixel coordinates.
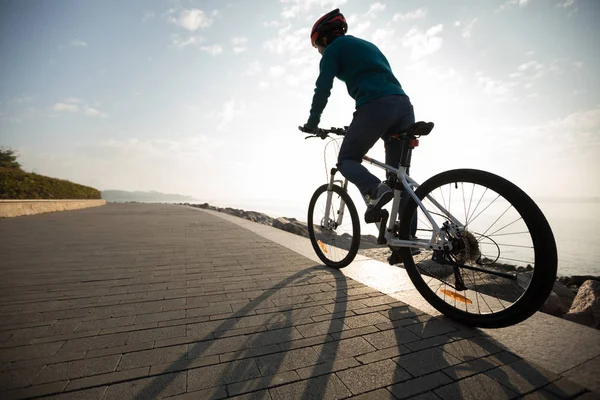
(204, 98)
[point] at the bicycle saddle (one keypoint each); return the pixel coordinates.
(420, 128)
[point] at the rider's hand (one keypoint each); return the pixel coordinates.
(306, 129)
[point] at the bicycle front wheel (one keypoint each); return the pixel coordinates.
(334, 233)
(503, 261)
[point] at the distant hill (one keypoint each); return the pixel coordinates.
(125, 196)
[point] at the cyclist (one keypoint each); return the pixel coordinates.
(382, 106)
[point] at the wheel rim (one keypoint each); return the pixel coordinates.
(496, 239)
(333, 240)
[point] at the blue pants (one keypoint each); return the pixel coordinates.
(379, 118)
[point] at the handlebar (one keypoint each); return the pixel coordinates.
(324, 133)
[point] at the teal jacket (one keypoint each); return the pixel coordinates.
(358, 63)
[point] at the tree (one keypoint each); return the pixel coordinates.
(8, 158)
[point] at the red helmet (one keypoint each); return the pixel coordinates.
(330, 23)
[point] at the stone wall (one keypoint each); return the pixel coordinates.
(16, 208)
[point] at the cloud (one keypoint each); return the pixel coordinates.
(92, 112)
(566, 3)
(231, 110)
(74, 105)
(239, 44)
(23, 98)
(181, 43)
(192, 19)
(276, 71)
(272, 24)
(417, 14)
(214, 49)
(78, 43)
(374, 9)
(148, 15)
(289, 42)
(501, 90)
(423, 44)
(291, 8)
(65, 107)
(512, 3)
(384, 39)
(468, 29)
(253, 69)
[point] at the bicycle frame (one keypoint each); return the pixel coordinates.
(438, 238)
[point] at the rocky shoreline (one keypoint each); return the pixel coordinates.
(574, 298)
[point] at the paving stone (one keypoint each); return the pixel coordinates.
(105, 323)
(391, 338)
(87, 394)
(365, 320)
(158, 317)
(34, 391)
(326, 387)
(152, 356)
(77, 369)
(564, 388)
(542, 394)
(469, 349)
(260, 395)
(20, 377)
(321, 328)
(426, 361)
(149, 388)
(150, 335)
(263, 382)
(379, 394)
(92, 343)
(428, 343)
(431, 328)
(422, 384)
(105, 379)
(222, 374)
(30, 351)
(522, 376)
(287, 360)
(379, 355)
(212, 394)
(476, 387)
(128, 348)
(343, 348)
(372, 376)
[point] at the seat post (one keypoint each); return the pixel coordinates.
(406, 154)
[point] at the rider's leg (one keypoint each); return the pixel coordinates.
(370, 122)
(393, 147)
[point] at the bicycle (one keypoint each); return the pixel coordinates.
(489, 262)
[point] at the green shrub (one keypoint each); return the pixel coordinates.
(17, 184)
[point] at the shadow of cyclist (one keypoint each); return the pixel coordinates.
(245, 366)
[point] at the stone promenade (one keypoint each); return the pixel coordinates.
(131, 301)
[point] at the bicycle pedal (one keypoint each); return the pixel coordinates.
(394, 258)
(372, 217)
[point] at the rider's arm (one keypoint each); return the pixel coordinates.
(328, 69)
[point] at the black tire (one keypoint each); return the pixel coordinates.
(335, 245)
(519, 233)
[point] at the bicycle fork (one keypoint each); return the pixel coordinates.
(340, 213)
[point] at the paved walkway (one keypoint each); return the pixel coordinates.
(153, 301)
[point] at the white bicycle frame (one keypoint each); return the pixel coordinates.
(438, 238)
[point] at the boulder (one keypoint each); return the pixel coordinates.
(586, 305)
(554, 305)
(291, 225)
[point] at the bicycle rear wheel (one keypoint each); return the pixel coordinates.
(503, 263)
(334, 239)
